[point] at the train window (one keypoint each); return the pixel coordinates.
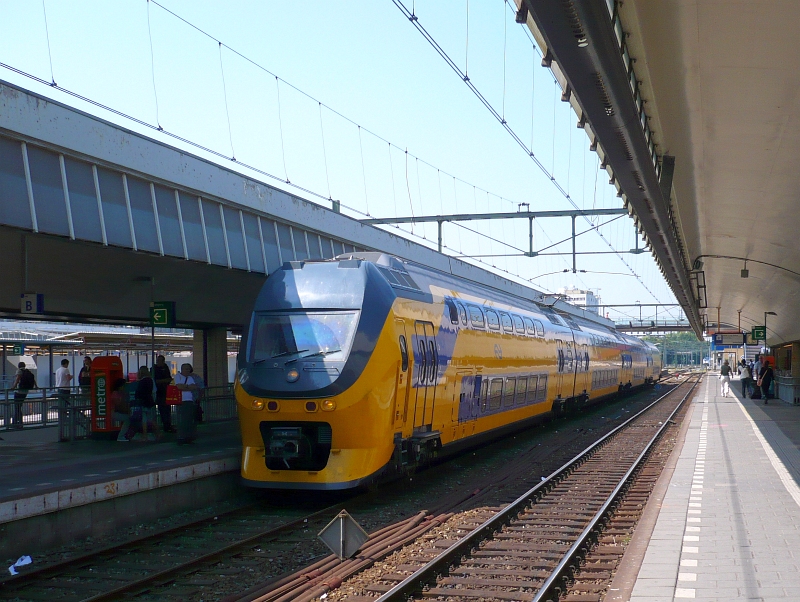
(508, 392)
(484, 394)
(522, 389)
(423, 361)
(539, 328)
(433, 362)
(541, 391)
(530, 326)
(495, 393)
(476, 316)
(403, 352)
(519, 325)
(530, 396)
(462, 313)
(453, 310)
(492, 320)
(506, 320)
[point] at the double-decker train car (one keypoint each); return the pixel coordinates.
(365, 366)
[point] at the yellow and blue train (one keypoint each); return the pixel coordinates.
(365, 366)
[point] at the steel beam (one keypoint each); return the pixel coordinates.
(580, 45)
(467, 217)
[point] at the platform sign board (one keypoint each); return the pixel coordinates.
(759, 333)
(32, 303)
(162, 313)
(729, 339)
(18, 349)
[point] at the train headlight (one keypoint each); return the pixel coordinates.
(273, 406)
(292, 375)
(328, 405)
(258, 404)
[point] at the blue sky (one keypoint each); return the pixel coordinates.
(365, 61)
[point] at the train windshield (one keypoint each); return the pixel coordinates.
(299, 335)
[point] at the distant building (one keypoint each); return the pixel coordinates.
(582, 298)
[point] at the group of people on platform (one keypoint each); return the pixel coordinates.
(756, 377)
(136, 412)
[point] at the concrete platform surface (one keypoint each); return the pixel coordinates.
(729, 525)
(40, 475)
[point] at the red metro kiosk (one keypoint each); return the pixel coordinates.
(105, 371)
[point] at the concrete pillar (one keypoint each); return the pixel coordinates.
(210, 355)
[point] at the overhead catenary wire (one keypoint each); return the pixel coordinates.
(324, 153)
(363, 170)
(414, 19)
(225, 96)
(49, 52)
(279, 81)
(152, 65)
(280, 129)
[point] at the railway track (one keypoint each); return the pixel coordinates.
(170, 562)
(530, 549)
(206, 556)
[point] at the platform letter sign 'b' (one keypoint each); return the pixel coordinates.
(32, 303)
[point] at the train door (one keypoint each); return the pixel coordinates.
(427, 364)
(401, 392)
(560, 361)
(469, 388)
(569, 369)
(582, 385)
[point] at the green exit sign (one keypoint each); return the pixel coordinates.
(162, 313)
(759, 333)
(18, 349)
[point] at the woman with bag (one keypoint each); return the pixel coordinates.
(765, 378)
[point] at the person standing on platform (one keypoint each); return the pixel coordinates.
(187, 385)
(765, 379)
(85, 377)
(725, 377)
(120, 408)
(198, 395)
(163, 377)
(145, 396)
(23, 383)
(745, 378)
(63, 382)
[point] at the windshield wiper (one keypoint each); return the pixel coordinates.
(283, 353)
(315, 354)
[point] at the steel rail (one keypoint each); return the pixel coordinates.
(452, 555)
(35, 577)
(569, 556)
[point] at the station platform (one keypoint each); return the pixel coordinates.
(41, 476)
(726, 523)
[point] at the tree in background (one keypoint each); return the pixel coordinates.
(679, 348)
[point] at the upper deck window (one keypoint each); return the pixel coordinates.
(303, 334)
(492, 320)
(476, 316)
(506, 320)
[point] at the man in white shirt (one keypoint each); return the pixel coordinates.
(63, 380)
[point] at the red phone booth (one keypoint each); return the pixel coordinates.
(105, 371)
